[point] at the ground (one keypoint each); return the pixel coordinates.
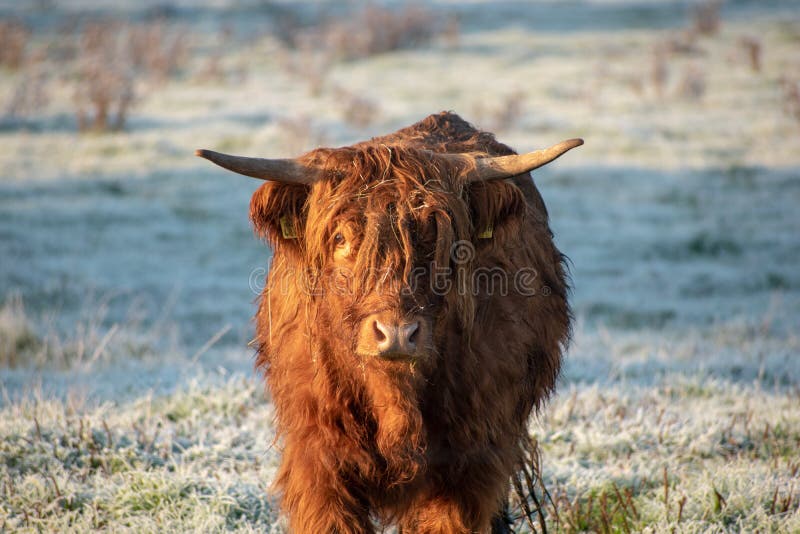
(129, 268)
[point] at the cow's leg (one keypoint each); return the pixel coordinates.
(446, 514)
(318, 501)
(314, 511)
(438, 515)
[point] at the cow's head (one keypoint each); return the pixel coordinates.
(383, 238)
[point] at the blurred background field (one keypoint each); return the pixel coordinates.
(128, 268)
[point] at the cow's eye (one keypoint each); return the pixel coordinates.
(338, 239)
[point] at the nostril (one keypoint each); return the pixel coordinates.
(413, 333)
(380, 333)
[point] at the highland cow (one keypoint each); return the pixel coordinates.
(413, 318)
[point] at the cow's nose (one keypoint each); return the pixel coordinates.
(395, 339)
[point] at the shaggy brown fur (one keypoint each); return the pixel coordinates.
(429, 446)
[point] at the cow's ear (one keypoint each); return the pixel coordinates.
(496, 207)
(278, 212)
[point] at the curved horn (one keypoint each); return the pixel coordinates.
(279, 170)
(500, 167)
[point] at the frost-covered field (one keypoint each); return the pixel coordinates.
(128, 269)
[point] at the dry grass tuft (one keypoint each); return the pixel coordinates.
(611, 509)
(357, 110)
(157, 50)
(693, 83)
(18, 342)
(683, 43)
(374, 30)
(30, 93)
(706, 17)
(365, 32)
(753, 49)
(309, 64)
(38, 343)
(14, 36)
(299, 134)
(113, 63)
(503, 116)
(105, 88)
(659, 70)
(791, 97)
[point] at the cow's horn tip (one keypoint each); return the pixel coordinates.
(202, 152)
